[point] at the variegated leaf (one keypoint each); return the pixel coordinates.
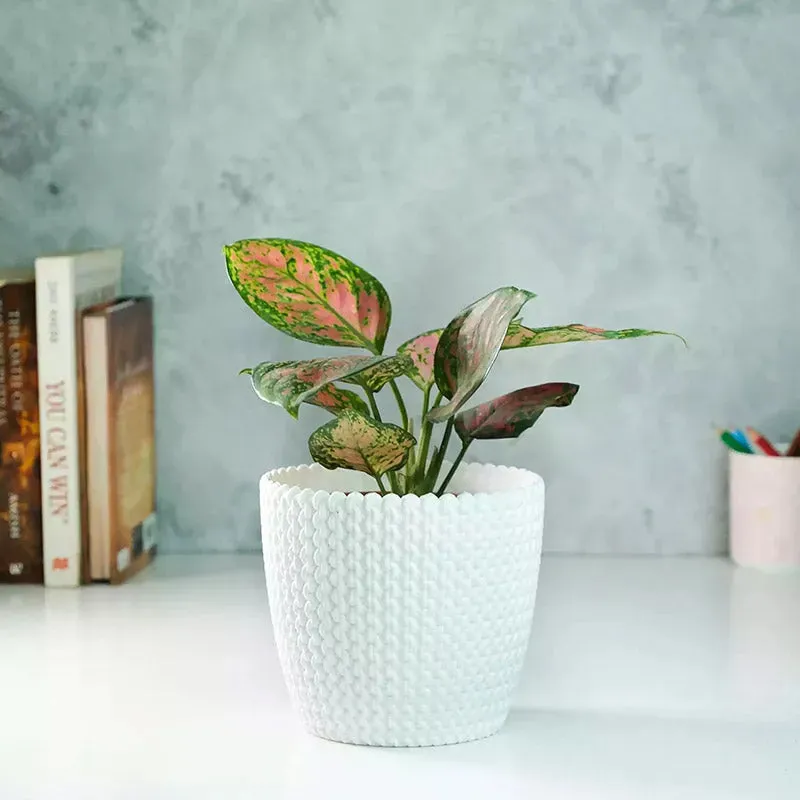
(290, 383)
(508, 416)
(310, 293)
(469, 346)
(335, 399)
(520, 336)
(375, 378)
(422, 349)
(354, 441)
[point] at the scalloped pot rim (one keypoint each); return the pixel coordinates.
(281, 481)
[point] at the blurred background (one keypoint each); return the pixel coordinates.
(633, 162)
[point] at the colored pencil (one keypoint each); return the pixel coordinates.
(794, 447)
(733, 443)
(739, 434)
(760, 442)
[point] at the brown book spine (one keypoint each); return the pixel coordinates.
(20, 466)
(132, 451)
(10, 569)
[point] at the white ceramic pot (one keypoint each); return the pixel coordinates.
(401, 621)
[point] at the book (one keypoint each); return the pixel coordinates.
(66, 284)
(120, 434)
(20, 474)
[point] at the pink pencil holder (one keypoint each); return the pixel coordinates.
(764, 496)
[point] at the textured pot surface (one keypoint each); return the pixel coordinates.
(401, 620)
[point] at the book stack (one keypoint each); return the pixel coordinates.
(77, 473)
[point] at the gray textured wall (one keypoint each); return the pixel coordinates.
(633, 162)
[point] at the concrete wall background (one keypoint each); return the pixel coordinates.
(634, 162)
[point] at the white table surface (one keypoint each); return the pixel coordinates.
(645, 679)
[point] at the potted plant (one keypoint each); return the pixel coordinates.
(401, 584)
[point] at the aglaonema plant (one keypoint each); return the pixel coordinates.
(318, 296)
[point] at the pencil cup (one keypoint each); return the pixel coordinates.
(764, 511)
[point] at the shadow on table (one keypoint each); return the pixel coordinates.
(555, 754)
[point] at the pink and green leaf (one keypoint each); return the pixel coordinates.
(310, 293)
(290, 383)
(469, 346)
(509, 416)
(376, 377)
(335, 399)
(423, 347)
(520, 336)
(355, 441)
(422, 350)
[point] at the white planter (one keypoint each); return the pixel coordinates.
(401, 620)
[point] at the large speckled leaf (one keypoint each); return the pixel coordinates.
(310, 293)
(508, 416)
(469, 346)
(290, 383)
(520, 336)
(375, 378)
(335, 399)
(354, 441)
(421, 349)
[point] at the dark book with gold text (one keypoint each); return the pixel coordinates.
(20, 465)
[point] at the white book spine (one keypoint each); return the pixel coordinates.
(58, 421)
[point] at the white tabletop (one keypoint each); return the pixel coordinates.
(645, 679)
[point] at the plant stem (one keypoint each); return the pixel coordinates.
(393, 483)
(411, 462)
(436, 464)
(380, 483)
(376, 412)
(424, 438)
(400, 404)
(456, 463)
(425, 434)
(426, 398)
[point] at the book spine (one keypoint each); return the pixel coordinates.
(21, 492)
(10, 568)
(58, 415)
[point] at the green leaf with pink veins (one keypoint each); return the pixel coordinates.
(519, 336)
(310, 293)
(335, 399)
(291, 383)
(421, 349)
(469, 346)
(507, 417)
(355, 441)
(376, 377)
